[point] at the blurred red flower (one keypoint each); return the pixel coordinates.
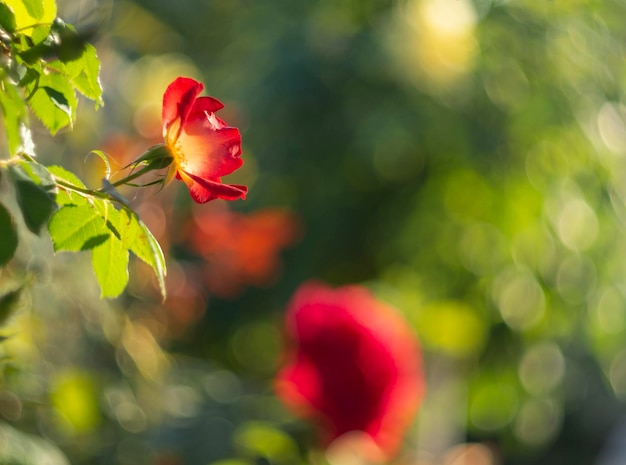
(203, 146)
(354, 366)
(241, 249)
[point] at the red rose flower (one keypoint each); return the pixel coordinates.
(353, 366)
(204, 147)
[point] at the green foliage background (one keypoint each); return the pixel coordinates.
(470, 171)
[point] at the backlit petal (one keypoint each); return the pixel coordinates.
(203, 190)
(178, 101)
(210, 153)
(204, 105)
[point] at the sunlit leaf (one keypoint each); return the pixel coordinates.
(34, 8)
(65, 196)
(39, 174)
(8, 244)
(77, 227)
(40, 33)
(13, 115)
(65, 175)
(105, 159)
(31, 12)
(84, 74)
(110, 264)
(53, 101)
(138, 238)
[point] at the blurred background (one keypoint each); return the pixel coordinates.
(464, 159)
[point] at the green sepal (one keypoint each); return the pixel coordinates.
(157, 157)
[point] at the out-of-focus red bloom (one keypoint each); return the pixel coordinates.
(203, 146)
(354, 366)
(241, 249)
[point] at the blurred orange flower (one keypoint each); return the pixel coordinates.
(203, 146)
(353, 366)
(241, 249)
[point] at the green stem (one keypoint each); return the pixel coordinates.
(66, 185)
(130, 177)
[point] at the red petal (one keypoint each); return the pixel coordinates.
(205, 104)
(203, 190)
(210, 153)
(178, 101)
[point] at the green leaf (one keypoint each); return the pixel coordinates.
(29, 13)
(37, 173)
(53, 101)
(138, 238)
(8, 303)
(77, 227)
(84, 74)
(36, 204)
(105, 159)
(36, 192)
(110, 264)
(7, 18)
(66, 196)
(110, 234)
(14, 114)
(8, 233)
(39, 35)
(65, 175)
(34, 8)
(30, 76)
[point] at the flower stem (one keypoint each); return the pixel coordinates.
(129, 178)
(68, 186)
